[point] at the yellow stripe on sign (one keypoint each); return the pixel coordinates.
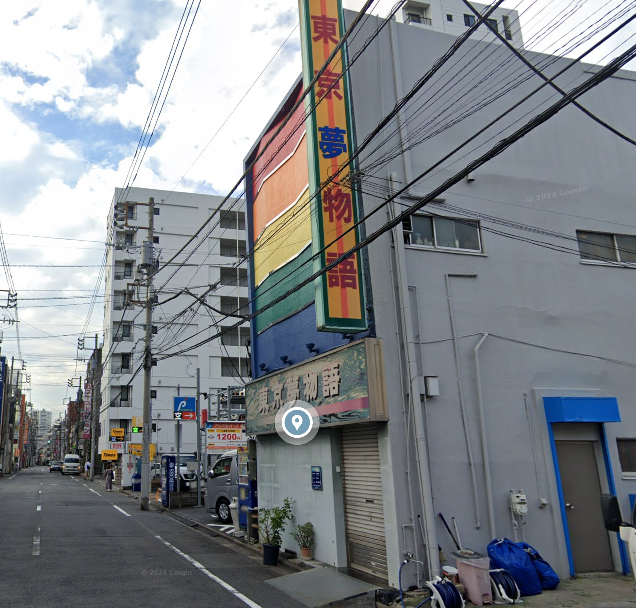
(283, 239)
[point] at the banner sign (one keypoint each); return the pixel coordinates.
(224, 436)
(110, 455)
(340, 303)
(137, 448)
(345, 386)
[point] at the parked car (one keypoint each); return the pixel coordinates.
(222, 486)
(71, 465)
(56, 465)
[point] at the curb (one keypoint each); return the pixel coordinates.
(293, 564)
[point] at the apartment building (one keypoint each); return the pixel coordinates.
(185, 313)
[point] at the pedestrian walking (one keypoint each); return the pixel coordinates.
(87, 469)
(109, 474)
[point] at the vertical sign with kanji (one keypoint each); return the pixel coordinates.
(339, 292)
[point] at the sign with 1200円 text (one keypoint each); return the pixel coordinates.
(339, 292)
(223, 436)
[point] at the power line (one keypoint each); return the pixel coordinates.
(498, 149)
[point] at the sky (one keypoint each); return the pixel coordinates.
(77, 79)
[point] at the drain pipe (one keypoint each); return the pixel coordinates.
(484, 441)
(426, 489)
(462, 405)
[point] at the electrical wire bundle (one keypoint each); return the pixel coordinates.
(504, 587)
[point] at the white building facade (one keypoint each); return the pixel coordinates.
(454, 17)
(191, 306)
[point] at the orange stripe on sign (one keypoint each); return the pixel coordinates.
(281, 188)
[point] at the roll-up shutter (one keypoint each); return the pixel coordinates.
(364, 513)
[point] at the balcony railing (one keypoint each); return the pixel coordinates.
(418, 19)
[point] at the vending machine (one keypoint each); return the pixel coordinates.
(248, 496)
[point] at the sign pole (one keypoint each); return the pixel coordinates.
(198, 437)
(178, 442)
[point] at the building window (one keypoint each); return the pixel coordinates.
(229, 306)
(231, 338)
(469, 20)
(129, 238)
(627, 454)
(156, 210)
(228, 277)
(131, 212)
(413, 18)
(449, 17)
(125, 361)
(230, 367)
(229, 248)
(229, 220)
(128, 269)
(124, 393)
(153, 394)
(442, 233)
(493, 24)
(605, 247)
(155, 240)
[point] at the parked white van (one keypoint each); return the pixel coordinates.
(71, 465)
(222, 486)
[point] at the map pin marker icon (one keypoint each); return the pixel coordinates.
(297, 421)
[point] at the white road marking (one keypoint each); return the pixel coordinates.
(38, 508)
(91, 489)
(216, 579)
(122, 511)
(54, 484)
(222, 528)
(12, 477)
(36, 542)
(39, 491)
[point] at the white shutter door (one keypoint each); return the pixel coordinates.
(364, 514)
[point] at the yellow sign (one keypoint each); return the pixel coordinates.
(117, 432)
(339, 292)
(137, 448)
(110, 455)
(137, 421)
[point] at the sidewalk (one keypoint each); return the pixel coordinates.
(602, 591)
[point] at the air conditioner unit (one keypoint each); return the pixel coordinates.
(119, 277)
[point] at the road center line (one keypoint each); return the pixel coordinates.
(38, 508)
(36, 542)
(122, 511)
(216, 579)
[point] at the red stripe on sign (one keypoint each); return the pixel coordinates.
(361, 403)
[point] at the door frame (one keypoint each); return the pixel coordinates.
(597, 410)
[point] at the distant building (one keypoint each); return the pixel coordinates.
(223, 363)
(44, 422)
(454, 17)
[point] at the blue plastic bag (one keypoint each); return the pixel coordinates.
(547, 576)
(512, 557)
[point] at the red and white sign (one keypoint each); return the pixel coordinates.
(185, 416)
(119, 446)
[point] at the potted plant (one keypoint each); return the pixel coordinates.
(304, 536)
(271, 524)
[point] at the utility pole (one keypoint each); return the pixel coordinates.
(198, 437)
(97, 404)
(178, 445)
(147, 261)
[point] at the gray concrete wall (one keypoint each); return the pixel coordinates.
(571, 321)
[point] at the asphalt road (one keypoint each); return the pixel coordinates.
(67, 542)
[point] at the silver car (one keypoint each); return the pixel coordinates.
(222, 486)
